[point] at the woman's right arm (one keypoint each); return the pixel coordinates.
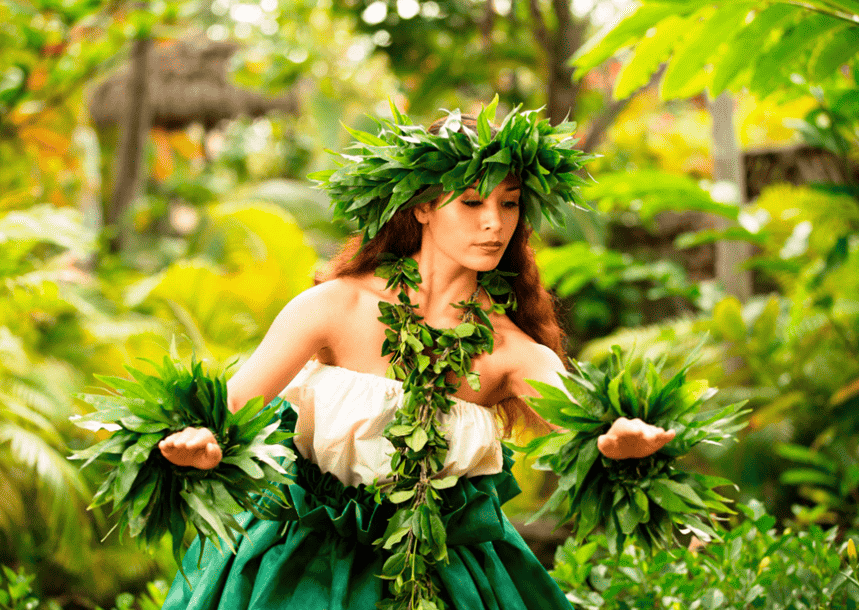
(299, 331)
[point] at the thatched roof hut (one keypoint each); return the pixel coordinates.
(188, 84)
(796, 164)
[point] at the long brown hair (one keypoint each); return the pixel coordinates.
(535, 314)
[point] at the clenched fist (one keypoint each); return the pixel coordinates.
(632, 438)
(195, 447)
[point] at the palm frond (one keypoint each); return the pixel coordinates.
(12, 407)
(60, 490)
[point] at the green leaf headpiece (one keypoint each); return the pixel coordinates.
(405, 165)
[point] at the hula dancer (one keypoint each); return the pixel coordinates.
(399, 374)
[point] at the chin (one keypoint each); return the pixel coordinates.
(483, 263)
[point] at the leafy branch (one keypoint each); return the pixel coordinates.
(152, 496)
(640, 498)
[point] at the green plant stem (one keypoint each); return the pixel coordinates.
(832, 12)
(842, 333)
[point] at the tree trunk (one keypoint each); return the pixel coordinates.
(563, 92)
(728, 167)
(132, 139)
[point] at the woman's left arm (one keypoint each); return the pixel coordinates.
(627, 438)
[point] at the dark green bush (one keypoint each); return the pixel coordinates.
(754, 567)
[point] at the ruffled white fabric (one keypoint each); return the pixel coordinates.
(342, 416)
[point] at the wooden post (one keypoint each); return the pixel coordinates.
(729, 171)
(134, 129)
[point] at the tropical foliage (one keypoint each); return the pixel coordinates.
(640, 498)
(226, 230)
(761, 44)
(244, 262)
(753, 566)
(793, 356)
(152, 496)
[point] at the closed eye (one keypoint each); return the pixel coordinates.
(473, 203)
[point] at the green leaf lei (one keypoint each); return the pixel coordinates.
(422, 357)
(405, 165)
(153, 496)
(645, 498)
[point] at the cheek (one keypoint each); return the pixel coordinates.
(513, 220)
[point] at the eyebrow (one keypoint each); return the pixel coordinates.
(509, 189)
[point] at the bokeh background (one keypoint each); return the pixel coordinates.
(153, 157)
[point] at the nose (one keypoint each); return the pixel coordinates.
(490, 218)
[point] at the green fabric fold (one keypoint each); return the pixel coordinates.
(319, 555)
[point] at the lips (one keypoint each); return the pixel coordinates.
(490, 246)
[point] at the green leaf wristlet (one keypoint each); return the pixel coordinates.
(647, 497)
(152, 496)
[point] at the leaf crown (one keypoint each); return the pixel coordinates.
(405, 165)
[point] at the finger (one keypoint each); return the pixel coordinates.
(201, 438)
(170, 438)
(174, 439)
(606, 443)
(168, 443)
(620, 426)
(650, 428)
(644, 429)
(189, 433)
(189, 438)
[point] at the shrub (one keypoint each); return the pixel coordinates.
(754, 567)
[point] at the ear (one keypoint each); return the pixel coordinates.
(422, 212)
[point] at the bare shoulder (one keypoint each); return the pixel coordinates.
(343, 303)
(303, 327)
(519, 347)
(358, 287)
(315, 310)
(333, 296)
(523, 358)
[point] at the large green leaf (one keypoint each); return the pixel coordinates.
(685, 74)
(627, 32)
(772, 66)
(726, 45)
(48, 224)
(840, 47)
(735, 60)
(649, 54)
(842, 9)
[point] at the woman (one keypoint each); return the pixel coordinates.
(327, 348)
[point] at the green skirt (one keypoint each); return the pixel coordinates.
(324, 560)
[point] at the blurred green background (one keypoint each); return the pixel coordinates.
(153, 157)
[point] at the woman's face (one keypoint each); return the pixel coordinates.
(471, 230)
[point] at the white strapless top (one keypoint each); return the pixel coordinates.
(342, 416)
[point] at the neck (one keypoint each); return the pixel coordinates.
(442, 282)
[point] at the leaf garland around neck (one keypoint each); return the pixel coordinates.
(422, 357)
